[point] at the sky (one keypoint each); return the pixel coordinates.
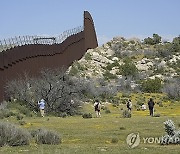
(127, 18)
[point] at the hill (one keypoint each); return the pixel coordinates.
(131, 60)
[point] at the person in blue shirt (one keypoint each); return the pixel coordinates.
(41, 106)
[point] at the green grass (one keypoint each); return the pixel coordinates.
(95, 135)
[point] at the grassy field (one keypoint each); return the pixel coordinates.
(94, 135)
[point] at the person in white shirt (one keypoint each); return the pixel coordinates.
(41, 106)
(143, 107)
(97, 108)
(129, 105)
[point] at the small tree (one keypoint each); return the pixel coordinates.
(172, 88)
(152, 86)
(152, 41)
(149, 41)
(54, 86)
(176, 44)
(129, 68)
(156, 39)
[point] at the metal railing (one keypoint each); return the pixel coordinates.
(26, 40)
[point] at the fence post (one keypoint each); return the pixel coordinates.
(2, 45)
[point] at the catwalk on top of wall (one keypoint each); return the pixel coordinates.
(32, 58)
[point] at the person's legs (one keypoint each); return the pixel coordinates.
(42, 112)
(151, 112)
(99, 114)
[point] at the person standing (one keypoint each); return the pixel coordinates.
(151, 107)
(97, 108)
(41, 106)
(129, 105)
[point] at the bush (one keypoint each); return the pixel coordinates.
(107, 111)
(172, 89)
(19, 117)
(140, 103)
(107, 75)
(63, 115)
(122, 128)
(25, 110)
(88, 56)
(152, 86)
(5, 113)
(12, 135)
(129, 68)
(87, 115)
(22, 122)
(43, 136)
(114, 140)
(126, 114)
(173, 135)
(160, 104)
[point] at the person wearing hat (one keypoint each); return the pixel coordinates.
(41, 106)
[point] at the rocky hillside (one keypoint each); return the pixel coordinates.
(150, 61)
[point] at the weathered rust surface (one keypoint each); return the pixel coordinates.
(33, 58)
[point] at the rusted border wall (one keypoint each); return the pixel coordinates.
(31, 59)
(90, 33)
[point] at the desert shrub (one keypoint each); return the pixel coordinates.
(87, 115)
(63, 115)
(129, 68)
(172, 88)
(152, 86)
(140, 103)
(25, 110)
(73, 71)
(152, 41)
(123, 100)
(107, 75)
(176, 44)
(122, 128)
(12, 135)
(172, 135)
(126, 114)
(104, 107)
(107, 111)
(88, 56)
(3, 105)
(5, 113)
(114, 140)
(19, 117)
(160, 104)
(125, 95)
(43, 136)
(111, 65)
(21, 122)
(56, 87)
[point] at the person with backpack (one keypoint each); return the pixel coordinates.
(97, 108)
(41, 106)
(151, 107)
(129, 105)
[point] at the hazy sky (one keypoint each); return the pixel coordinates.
(128, 18)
